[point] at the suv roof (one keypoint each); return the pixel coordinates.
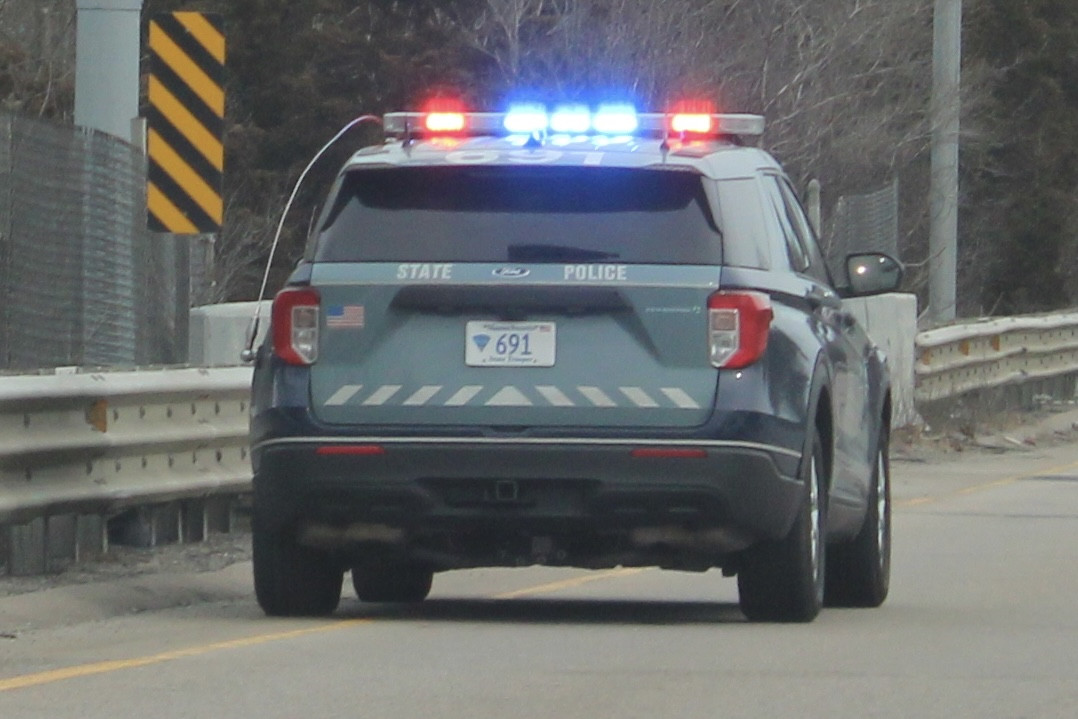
(713, 158)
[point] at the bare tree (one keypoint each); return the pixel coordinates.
(37, 57)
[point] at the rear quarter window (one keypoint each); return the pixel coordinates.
(518, 214)
(741, 214)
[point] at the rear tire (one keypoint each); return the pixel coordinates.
(391, 583)
(783, 581)
(292, 580)
(859, 572)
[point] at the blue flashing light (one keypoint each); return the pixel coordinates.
(526, 119)
(616, 120)
(571, 119)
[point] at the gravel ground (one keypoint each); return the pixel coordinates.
(217, 552)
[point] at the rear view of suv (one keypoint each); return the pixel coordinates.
(570, 337)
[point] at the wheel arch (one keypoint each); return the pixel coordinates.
(821, 415)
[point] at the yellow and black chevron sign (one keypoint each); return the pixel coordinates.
(185, 123)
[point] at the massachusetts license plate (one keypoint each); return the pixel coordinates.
(510, 344)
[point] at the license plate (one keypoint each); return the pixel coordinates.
(509, 344)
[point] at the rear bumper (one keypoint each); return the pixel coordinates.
(556, 486)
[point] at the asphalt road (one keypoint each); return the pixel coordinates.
(982, 622)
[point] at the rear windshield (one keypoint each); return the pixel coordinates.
(519, 214)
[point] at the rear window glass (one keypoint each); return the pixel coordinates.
(519, 214)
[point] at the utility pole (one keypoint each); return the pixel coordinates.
(107, 52)
(945, 117)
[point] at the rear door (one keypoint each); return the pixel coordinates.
(516, 297)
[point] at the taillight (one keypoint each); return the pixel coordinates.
(295, 325)
(738, 323)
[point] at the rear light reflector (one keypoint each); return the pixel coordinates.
(738, 325)
(668, 453)
(295, 325)
(351, 450)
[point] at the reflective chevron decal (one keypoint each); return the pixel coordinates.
(584, 396)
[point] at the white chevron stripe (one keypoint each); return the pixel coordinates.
(509, 396)
(679, 397)
(342, 395)
(639, 397)
(555, 396)
(423, 395)
(597, 397)
(464, 395)
(382, 395)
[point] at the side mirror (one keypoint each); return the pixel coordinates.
(872, 273)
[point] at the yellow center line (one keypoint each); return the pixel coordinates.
(570, 583)
(977, 488)
(84, 670)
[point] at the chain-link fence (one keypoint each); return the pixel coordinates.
(865, 223)
(82, 282)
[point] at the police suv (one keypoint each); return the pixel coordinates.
(578, 337)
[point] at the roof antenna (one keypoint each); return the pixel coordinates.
(248, 353)
(408, 140)
(664, 147)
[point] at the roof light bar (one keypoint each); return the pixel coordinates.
(606, 120)
(526, 119)
(445, 121)
(571, 120)
(691, 122)
(616, 120)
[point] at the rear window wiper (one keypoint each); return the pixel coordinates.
(557, 253)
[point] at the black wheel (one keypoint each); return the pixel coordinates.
(859, 572)
(292, 580)
(783, 581)
(391, 582)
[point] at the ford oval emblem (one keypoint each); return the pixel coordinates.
(512, 272)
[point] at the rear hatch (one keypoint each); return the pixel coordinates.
(516, 297)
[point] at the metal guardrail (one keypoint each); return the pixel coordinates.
(101, 442)
(77, 447)
(954, 360)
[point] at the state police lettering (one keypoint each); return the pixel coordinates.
(424, 271)
(596, 273)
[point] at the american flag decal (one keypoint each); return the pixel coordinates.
(345, 316)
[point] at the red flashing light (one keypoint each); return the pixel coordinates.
(685, 122)
(445, 122)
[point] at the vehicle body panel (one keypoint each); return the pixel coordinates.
(631, 447)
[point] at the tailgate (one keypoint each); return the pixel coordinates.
(513, 346)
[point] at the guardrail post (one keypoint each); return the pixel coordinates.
(91, 537)
(27, 548)
(60, 541)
